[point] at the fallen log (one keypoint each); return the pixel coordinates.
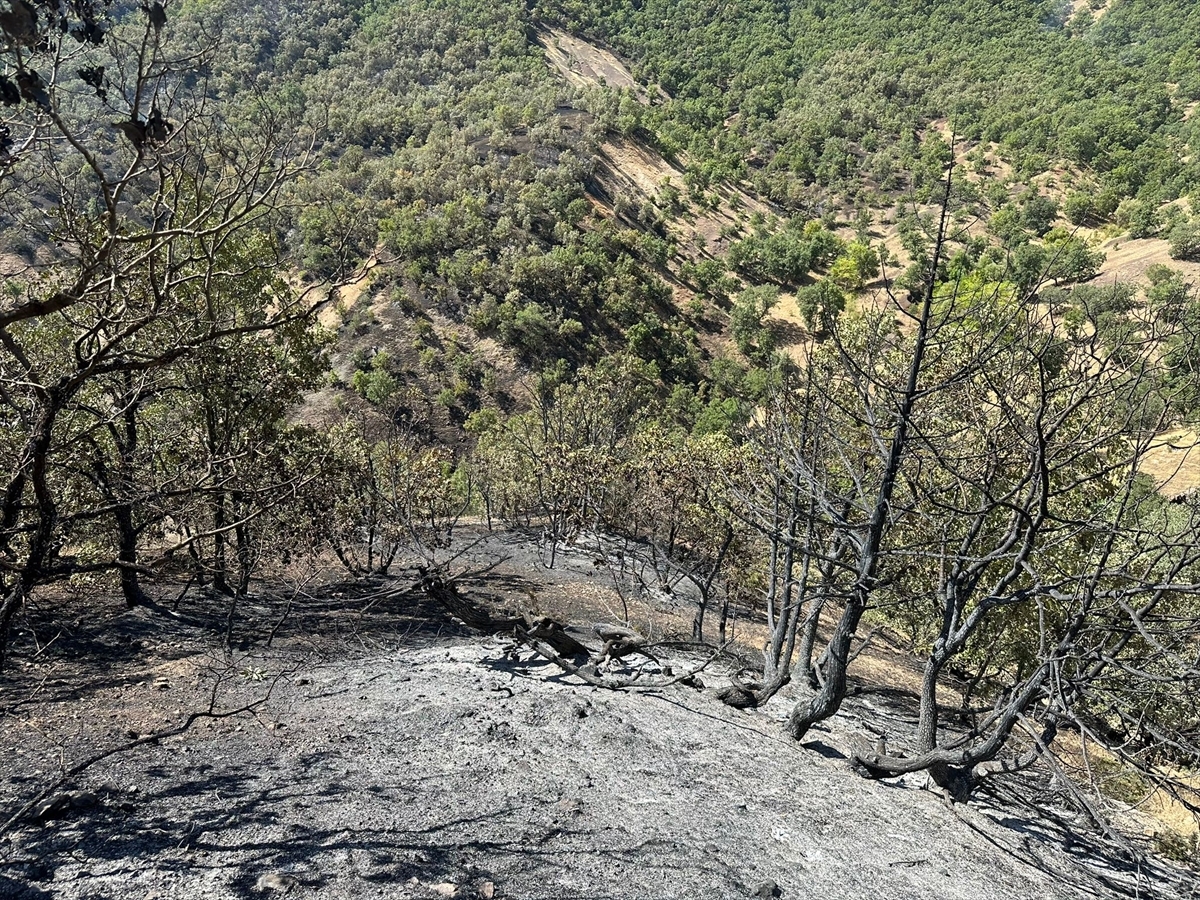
(447, 595)
(567, 646)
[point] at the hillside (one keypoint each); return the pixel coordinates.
(676, 178)
(357, 355)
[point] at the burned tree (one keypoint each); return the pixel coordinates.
(157, 263)
(972, 482)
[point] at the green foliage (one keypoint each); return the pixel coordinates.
(785, 255)
(447, 149)
(1007, 224)
(820, 304)
(830, 92)
(1182, 356)
(1069, 258)
(1176, 845)
(376, 382)
(1169, 295)
(1038, 213)
(1141, 217)
(1184, 238)
(719, 417)
(1119, 782)
(1078, 207)
(710, 278)
(858, 264)
(752, 337)
(1103, 308)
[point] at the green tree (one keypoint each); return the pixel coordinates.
(164, 268)
(982, 456)
(1069, 258)
(746, 324)
(820, 304)
(1038, 213)
(1141, 217)
(1184, 239)
(858, 264)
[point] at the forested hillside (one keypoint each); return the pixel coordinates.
(823, 319)
(837, 93)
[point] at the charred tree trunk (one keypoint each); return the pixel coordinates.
(220, 565)
(869, 543)
(31, 472)
(127, 557)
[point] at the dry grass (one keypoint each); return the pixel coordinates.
(1173, 461)
(1097, 13)
(1144, 808)
(1128, 259)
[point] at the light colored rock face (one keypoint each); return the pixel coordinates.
(450, 771)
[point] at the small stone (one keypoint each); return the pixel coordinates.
(276, 881)
(60, 804)
(445, 889)
(768, 890)
(572, 805)
(487, 890)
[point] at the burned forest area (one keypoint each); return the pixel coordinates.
(629, 449)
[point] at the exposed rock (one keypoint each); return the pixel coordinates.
(278, 882)
(64, 803)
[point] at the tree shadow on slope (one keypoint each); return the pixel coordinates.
(1032, 819)
(20, 889)
(1030, 825)
(56, 659)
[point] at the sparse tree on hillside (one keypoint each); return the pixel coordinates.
(1184, 238)
(558, 464)
(384, 492)
(674, 503)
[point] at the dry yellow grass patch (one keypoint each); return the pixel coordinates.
(1173, 461)
(585, 65)
(1128, 259)
(1145, 808)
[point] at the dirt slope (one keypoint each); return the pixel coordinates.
(629, 170)
(585, 65)
(1127, 259)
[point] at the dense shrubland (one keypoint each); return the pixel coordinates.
(835, 93)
